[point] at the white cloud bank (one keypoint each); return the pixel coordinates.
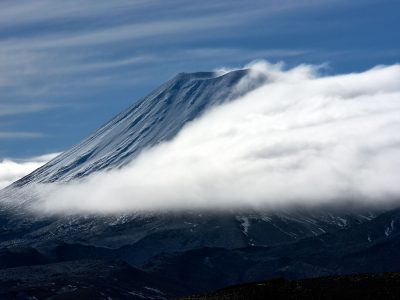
(14, 169)
(300, 139)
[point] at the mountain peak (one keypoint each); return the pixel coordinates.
(154, 119)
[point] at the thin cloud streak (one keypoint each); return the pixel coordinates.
(20, 13)
(19, 135)
(21, 108)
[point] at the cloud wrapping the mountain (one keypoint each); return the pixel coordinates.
(14, 169)
(300, 139)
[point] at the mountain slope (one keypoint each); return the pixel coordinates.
(156, 118)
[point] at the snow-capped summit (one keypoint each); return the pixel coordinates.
(156, 118)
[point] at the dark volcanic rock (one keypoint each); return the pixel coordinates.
(85, 279)
(20, 256)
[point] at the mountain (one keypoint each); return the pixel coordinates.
(156, 118)
(211, 248)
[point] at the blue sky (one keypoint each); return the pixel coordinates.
(67, 67)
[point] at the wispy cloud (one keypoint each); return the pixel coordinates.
(57, 50)
(14, 169)
(34, 55)
(21, 108)
(19, 135)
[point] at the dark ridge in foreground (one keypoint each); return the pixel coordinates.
(364, 286)
(84, 279)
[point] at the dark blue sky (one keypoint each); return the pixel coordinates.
(67, 67)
